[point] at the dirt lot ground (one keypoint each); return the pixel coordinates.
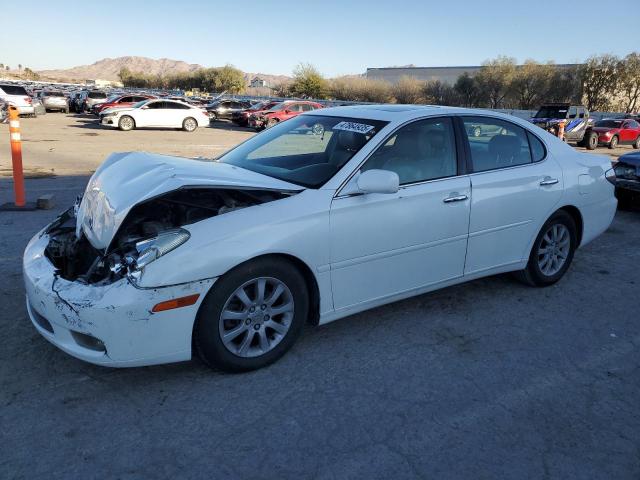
(486, 380)
(77, 144)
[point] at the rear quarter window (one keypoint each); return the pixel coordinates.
(538, 152)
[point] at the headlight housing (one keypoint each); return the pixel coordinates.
(153, 248)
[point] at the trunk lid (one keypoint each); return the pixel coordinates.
(127, 179)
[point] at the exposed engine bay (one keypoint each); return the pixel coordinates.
(77, 260)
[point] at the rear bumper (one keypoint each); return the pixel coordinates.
(26, 109)
(111, 325)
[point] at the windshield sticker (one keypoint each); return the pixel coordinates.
(354, 127)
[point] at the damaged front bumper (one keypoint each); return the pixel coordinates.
(108, 324)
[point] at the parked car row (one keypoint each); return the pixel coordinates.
(575, 125)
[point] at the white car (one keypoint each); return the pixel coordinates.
(17, 96)
(327, 214)
(155, 113)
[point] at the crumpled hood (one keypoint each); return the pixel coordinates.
(126, 179)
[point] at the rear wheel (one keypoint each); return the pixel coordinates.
(552, 251)
(591, 140)
(252, 316)
(126, 123)
(189, 124)
(636, 144)
(614, 142)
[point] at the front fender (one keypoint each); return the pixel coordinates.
(296, 226)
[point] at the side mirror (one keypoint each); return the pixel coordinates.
(378, 181)
(144, 107)
(287, 111)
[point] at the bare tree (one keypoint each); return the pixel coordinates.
(529, 84)
(494, 79)
(629, 82)
(467, 89)
(407, 90)
(440, 93)
(599, 81)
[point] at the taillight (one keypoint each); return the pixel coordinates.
(28, 100)
(610, 175)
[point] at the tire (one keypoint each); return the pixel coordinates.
(251, 328)
(614, 142)
(591, 140)
(126, 123)
(66, 111)
(636, 144)
(189, 124)
(538, 276)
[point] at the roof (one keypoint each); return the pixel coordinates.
(402, 113)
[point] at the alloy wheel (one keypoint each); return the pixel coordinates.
(554, 249)
(256, 317)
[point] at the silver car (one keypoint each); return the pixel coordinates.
(54, 100)
(88, 99)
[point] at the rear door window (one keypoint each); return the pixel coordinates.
(496, 143)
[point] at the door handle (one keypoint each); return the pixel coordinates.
(455, 198)
(548, 181)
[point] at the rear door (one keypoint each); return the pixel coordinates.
(516, 185)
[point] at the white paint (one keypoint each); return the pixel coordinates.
(14, 124)
(15, 137)
(365, 250)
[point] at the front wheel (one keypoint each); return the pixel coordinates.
(252, 316)
(126, 123)
(613, 143)
(189, 124)
(552, 251)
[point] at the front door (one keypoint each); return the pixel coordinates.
(387, 244)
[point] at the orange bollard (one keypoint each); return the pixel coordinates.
(16, 156)
(561, 130)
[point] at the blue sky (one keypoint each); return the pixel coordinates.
(338, 37)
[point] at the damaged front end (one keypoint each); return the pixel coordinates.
(150, 230)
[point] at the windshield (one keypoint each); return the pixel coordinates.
(608, 123)
(306, 150)
(97, 95)
(552, 112)
(139, 104)
(112, 98)
(54, 94)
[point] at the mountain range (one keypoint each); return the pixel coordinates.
(108, 69)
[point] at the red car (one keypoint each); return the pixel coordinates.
(620, 131)
(122, 101)
(280, 112)
(241, 118)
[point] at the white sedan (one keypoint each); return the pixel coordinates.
(322, 216)
(157, 113)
